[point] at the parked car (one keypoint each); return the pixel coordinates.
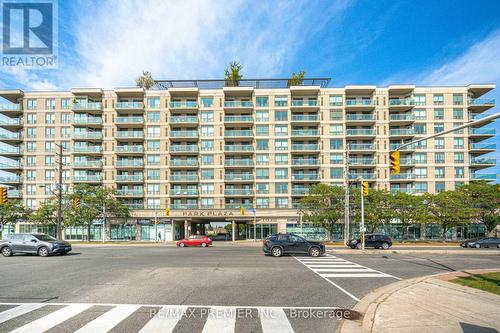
(195, 240)
(280, 244)
(486, 242)
(466, 243)
(372, 240)
(36, 243)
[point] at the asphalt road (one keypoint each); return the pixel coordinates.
(123, 287)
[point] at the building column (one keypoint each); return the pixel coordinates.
(186, 231)
(233, 229)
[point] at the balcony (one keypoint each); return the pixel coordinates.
(395, 146)
(184, 191)
(359, 104)
(400, 104)
(96, 106)
(87, 164)
(305, 162)
(403, 176)
(8, 136)
(360, 132)
(238, 205)
(87, 179)
(482, 132)
(134, 205)
(10, 150)
(130, 135)
(360, 118)
(238, 176)
(238, 191)
(129, 193)
(184, 134)
(184, 119)
(184, 178)
(299, 103)
(11, 122)
(238, 104)
(129, 120)
(240, 133)
(407, 162)
(183, 148)
(134, 149)
(361, 161)
(238, 162)
(10, 179)
(483, 176)
(183, 163)
(87, 149)
(407, 190)
(87, 121)
(305, 176)
(401, 118)
(361, 146)
(10, 165)
(401, 132)
(129, 163)
(364, 176)
(129, 106)
(300, 190)
(305, 147)
(184, 105)
(484, 147)
(305, 118)
(485, 161)
(305, 132)
(238, 148)
(87, 135)
(129, 178)
(14, 193)
(238, 119)
(481, 104)
(10, 108)
(184, 206)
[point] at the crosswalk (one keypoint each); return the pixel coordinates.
(100, 318)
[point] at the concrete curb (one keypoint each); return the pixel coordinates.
(492, 252)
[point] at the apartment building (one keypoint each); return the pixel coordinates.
(204, 149)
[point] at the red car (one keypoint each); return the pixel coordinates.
(203, 241)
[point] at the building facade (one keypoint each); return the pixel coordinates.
(206, 150)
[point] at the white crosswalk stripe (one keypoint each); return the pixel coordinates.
(164, 319)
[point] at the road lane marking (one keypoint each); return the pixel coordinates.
(165, 319)
(108, 320)
(19, 310)
(55, 318)
(274, 320)
(220, 321)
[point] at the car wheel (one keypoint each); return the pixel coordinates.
(358, 246)
(478, 246)
(6, 251)
(385, 246)
(352, 247)
(204, 244)
(43, 251)
(314, 252)
(276, 251)
(182, 244)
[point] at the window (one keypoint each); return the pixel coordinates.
(439, 172)
(207, 116)
(153, 188)
(50, 132)
(336, 115)
(280, 101)
(31, 175)
(458, 143)
(336, 173)
(281, 173)
(153, 174)
(419, 114)
(31, 161)
(31, 146)
(336, 158)
(261, 115)
(262, 159)
(421, 187)
(439, 187)
(153, 159)
(420, 158)
(336, 129)
(66, 103)
(439, 158)
(49, 174)
(261, 173)
(65, 118)
(262, 130)
(281, 202)
(207, 159)
(419, 99)
(31, 118)
(459, 172)
(335, 100)
(438, 114)
(153, 102)
(207, 202)
(420, 173)
(31, 189)
(50, 147)
(281, 188)
(281, 158)
(153, 145)
(336, 144)
(153, 203)
(458, 113)
(420, 128)
(32, 104)
(262, 188)
(262, 101)
(153, 131)
(207, 174)
(438, 99)
(207, 188)
(438, 127)
(460, 131)
(280, 115)
(281, 144)
(50, 104)
(458, 99)
(281, 130)
(262, 202)
(262, 144)
(65, 132)
(31, 132)
(439, 143)
(65, 145)
(207, 145)
(207, 130)
(153, 116)
(207, 102)
(458, 157)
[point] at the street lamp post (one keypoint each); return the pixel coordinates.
(362, 224)
(59, 194)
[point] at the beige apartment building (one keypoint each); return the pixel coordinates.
(205, 150)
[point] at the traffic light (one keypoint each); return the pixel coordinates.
(242, 210)
(76, 202)
(364, 185)
(4, 195)
(395, 162)
(167, 211)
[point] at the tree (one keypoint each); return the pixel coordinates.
(145, 80)
(45, 214)
(448, 209)
(485, 198)
(232, 75)
(408, 209)
(377, 209)
(94, 200)
(12, 211)
(323, 206)
(297, 79)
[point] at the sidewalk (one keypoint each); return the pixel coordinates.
(416, 249)
(427, 304)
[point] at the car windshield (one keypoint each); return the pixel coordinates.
(45, 238)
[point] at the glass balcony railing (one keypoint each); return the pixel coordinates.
(402, 131)
(483, 161)
(483, 176)
(134, 205)
(10, 107)
(184, 191)
(305, 176)
(483, 146)
(244, 133)
(87, 164)
(87, 120)
(401, 102)
(238, 205)
(88, 106)
(300, 190)
(129, 105)
(129, 120)
(360, 132)
(11, 136)
(305, 147)
(305, 132)
(184, 178)
(360, 117)
(184, 206)
(129, 134)
(238, 119)
(305, 117)
(238, 104)
(11, 122)
(305, 161)
(407, 161)
(482, 101)
(300, 102)
(129, 178)
(9, 150)
(403, 176)
(87, 135)
(130, 193)
(183, 148)
(14, 193)
(238, 148)
(238, 162)
(10, 165)
(87, 178)
(183, 119)
(238, 191)
(129, 149)
(183, 162)
(10, 179)
(407, 190)
(361, 161)
(361, 146)
(184, 134)
(238, 176)
(483, 131)
(184, 105)
(365, 175)
(401, 117)
(129, 163)
(360, 102)
(88, 149)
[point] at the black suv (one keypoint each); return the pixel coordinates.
(372, 240)
(280, 244)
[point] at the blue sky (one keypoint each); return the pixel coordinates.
(108, 43)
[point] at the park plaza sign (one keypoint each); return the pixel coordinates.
(209, 213)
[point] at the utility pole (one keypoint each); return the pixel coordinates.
(104, 222)
(254, 224)
(156, 226)
(346, 199)
(59, 193)
(362, 225)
